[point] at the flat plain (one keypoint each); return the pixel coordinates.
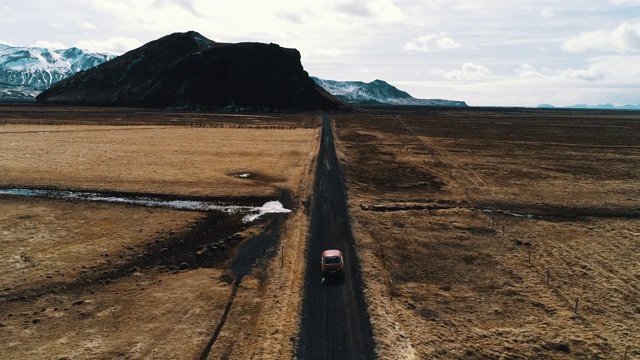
(482, 233)
(89, 280)
(497, 233)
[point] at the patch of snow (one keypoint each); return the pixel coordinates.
(271, 207)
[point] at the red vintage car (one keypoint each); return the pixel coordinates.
(332, 262)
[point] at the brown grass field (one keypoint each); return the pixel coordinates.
(451, 273)
(81, 280)
(478, 231)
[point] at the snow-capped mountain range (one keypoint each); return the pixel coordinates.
(377, 92)
(26, 71)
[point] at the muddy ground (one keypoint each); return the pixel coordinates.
(497, 233)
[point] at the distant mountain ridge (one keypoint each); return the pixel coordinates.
(606, 106)
(377, 92)
(26, 71)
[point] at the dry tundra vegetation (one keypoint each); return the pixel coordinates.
(497, 233)
(482, 233)
(103, 281)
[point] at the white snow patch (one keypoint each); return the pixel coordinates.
(253, 213)
(270, 207)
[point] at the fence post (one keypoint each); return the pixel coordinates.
(282, 258)
(548, 276)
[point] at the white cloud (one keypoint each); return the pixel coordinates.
(625, 2)
(624, 38)
(327, 52)
(353, 7)
(291, 16)
(384, 10)
(469, 71)
(116, 45)
(87, 26)
(49, 44)
(526, 71)
(591, 74)
(188, 5)
(547, 13)
(432, 42)
(57, 25)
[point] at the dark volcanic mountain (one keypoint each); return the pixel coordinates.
(187, 70)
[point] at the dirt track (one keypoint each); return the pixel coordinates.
(335, 323)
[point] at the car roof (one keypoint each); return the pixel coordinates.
(331, 253)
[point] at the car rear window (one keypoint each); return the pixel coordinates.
(332, 260)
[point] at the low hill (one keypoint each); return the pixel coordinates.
(187, 70)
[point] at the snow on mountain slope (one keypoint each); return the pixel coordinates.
(26, 71)
(377, 92)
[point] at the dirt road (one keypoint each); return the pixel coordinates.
(335, 322)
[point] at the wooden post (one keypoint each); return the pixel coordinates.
(575, 310)
(529, 248)
(625, 353)
(548, 276)
(282, 258)
(502, 230)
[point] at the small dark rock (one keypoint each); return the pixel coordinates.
(557, 347)
(35, 321)
(79, 302)
(183, 266)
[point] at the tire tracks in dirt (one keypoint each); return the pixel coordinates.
(252, 252)
(447, 157)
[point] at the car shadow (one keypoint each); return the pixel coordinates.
(333, 280)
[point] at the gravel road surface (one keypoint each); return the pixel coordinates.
(335, 322)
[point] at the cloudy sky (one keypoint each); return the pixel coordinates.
(487, 53)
